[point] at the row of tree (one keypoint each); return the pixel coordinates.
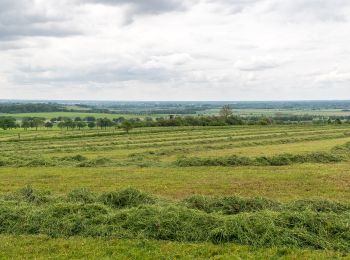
(225, 117)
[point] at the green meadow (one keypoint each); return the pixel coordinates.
(229, 192)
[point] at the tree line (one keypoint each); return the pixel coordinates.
(225, 117)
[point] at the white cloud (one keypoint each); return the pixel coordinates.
(174, 49)
(334, 77)
(256, 64)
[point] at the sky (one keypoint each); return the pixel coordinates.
(175, 49)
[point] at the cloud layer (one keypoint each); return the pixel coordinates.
(175, 49)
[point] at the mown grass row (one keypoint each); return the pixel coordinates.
(143, 138)
(169, 134)
(38, 161)
(130, 213)
(228, 145)
(214, 143)
(337, 154)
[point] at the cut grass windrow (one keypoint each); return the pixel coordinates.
(131, 213)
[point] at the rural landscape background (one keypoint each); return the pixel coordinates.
(174, 129)
(175, 179)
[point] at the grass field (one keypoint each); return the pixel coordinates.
(49, 115)
(282, 165)
(276, 112)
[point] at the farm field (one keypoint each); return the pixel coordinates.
(50, 115)
(275, 112)
(230, 192)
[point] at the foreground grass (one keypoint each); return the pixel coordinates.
(144, 159)
(42, 247)
(130, 213)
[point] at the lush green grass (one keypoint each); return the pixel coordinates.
(42, 247)
(282, 183)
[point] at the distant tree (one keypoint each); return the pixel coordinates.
(338, 121)
(77, 119)
(68, 123)
(37, 122)
(7, 123)
(127, 126)
(61, 125)
(81, 125)
(265, 121)
(91, 125)
(48, 125)
(25, 124)
(226, 111)
(234, 120)
(104, 123)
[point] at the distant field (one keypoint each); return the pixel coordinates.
(241, 112)
(276, 112)
(148, 159)
(50, 115)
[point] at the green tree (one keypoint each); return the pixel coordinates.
(48, 125)
(37, 122)
(127, 126)
(61, 125)
(81, 124)
(104, 123)
(7, 122)
(338, 121)
(226, 111)
(91, 125)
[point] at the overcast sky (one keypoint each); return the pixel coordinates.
(175, 49)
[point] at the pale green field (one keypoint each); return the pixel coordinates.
(278, 112)
(50, 115)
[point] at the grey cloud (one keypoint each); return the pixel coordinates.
(256, 64)
(143, 7)
(312, 10)
(148, 7)
(295, 11)
(22, 18)
(99, 73)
